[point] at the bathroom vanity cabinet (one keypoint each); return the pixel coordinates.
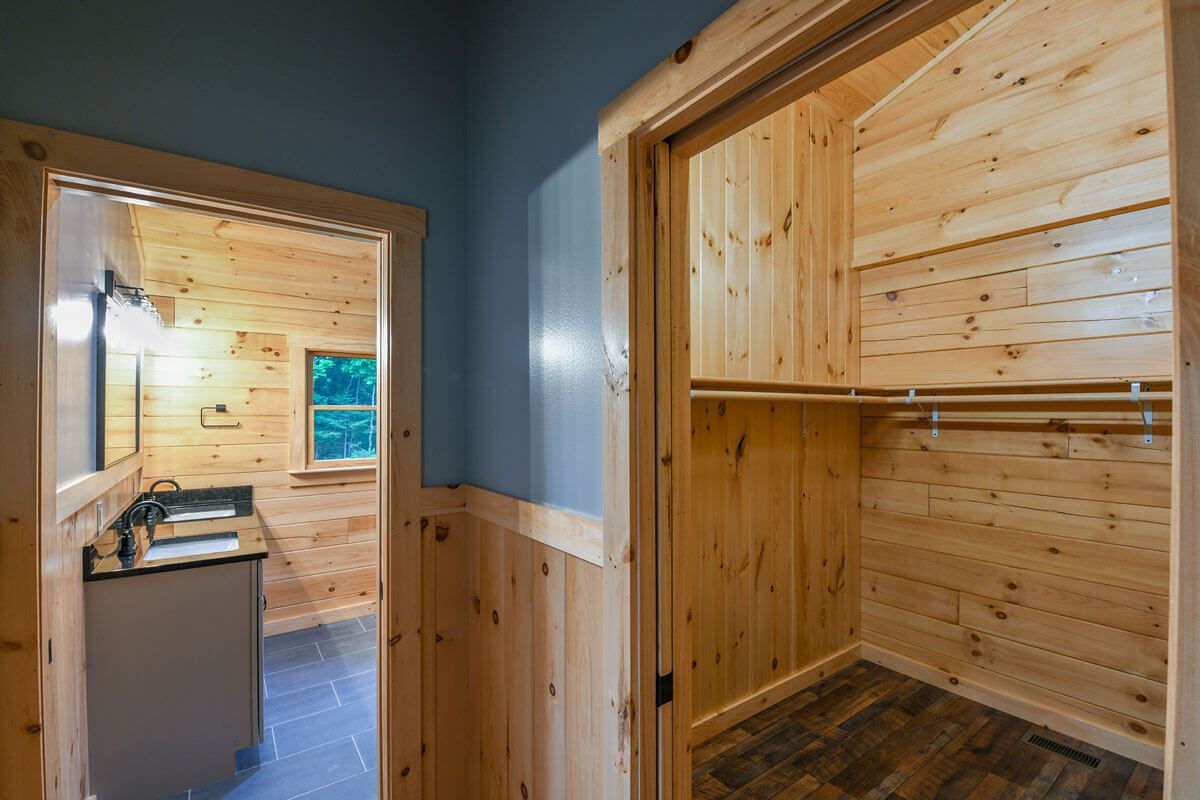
(174, 673)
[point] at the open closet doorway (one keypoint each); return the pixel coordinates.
(914, 354)
(310, 399)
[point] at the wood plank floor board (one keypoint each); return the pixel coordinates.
(868, 733)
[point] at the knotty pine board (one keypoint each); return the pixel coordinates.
(240, 291)
(516, 670)
(1052, 112)
(771, 293)
(774, 562)
(1089, 300)
(1002, 553)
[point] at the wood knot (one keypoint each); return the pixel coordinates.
(1143, 131)
(891, 296)
(524, 791)
(495, 617)
(440, 532)
(954, 681)
(34, 728)
(553, 691)
(1011, 585)
(395, 640)
(545, 568)
(34, 150)
(683, 51)
(1001, 615)
(404, 772)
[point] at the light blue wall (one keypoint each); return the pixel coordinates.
(364, 96)
(538, 73)
(493, 130)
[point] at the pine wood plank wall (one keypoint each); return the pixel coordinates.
(771, 293)
(774, 489)
(1050, 114)
(64, 699)
(517, 667)
(775, 560)
(1024, 550)
(240, 294)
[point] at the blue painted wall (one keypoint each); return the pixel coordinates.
(359, 95)
(483, 112)
(538, 73)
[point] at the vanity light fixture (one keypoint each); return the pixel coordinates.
(131, 318)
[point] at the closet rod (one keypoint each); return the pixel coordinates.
(942, 399)
(1061, 397)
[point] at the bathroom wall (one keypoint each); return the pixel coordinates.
(238, 298)
(538, 75)
(94, 235)
(365, 96)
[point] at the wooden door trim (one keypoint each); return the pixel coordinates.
(1182, 751)
(31, 159)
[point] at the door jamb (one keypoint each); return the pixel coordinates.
(32, 159)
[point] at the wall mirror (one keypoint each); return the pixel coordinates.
(126, 320)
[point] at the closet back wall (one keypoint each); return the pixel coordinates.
(238, 296)
(1021, 555)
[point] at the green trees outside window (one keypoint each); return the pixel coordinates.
(344, 420)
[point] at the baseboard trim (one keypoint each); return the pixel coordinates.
(1038, 713)
(707, 727)
(314, 618)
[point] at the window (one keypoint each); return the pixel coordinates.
(334, 411)
(342, 419)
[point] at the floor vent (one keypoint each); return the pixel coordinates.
(1060, 749)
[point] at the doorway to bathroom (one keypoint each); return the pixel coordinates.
(331, 449)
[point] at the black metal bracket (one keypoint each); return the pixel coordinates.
(664, 691)
(220, 408)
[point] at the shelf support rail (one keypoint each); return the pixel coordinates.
(933, 419)
(1147, 409)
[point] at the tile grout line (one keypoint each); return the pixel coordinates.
(302, 666)
(360, 758)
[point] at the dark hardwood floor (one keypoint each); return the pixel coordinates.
(868, 732)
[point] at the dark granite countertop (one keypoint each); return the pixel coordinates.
(100, 560)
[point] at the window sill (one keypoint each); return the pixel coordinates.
(320, 476)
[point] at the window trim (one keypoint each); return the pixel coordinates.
(301, 469)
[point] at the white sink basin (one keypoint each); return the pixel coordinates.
(192, 546)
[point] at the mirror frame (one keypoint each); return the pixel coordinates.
(102, 298)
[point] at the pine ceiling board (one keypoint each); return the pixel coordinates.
(873, 80)
(160, 224)
(192, 251)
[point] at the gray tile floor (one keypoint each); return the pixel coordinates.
(320, 721)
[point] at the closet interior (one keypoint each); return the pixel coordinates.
(930, 413)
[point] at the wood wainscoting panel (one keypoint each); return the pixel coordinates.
(775, 546)
(516, 669)
(245, 296)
